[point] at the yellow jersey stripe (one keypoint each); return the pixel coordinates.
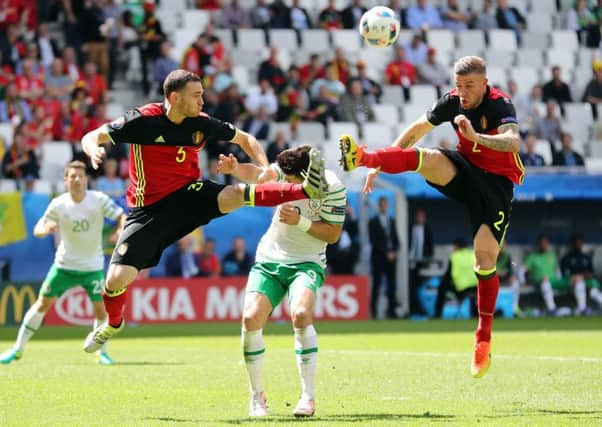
(141, 183)
(521, 167)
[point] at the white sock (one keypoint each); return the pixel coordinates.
(306, 350)
(31, 323)
(254, 349)
(548, 295)
(596, 295)
(581, 295)
(105, 346)
(515, 286)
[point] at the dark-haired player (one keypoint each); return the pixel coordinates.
(290, 259)
(166, 195)
(480, 173)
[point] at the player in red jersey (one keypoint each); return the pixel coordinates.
(167, 198)
(480, 173)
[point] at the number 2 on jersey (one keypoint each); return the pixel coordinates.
(475, 147)
(181, 155)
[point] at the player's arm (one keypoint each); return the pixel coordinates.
(92, 144)
(412, 134)
(248, 173)
(507, 138)
(44, 227)
(249, 144)
(321, 230)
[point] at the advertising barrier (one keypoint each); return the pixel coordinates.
(186, 300)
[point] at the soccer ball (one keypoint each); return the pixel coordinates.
(379, 26)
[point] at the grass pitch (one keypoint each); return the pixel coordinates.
(544, 372)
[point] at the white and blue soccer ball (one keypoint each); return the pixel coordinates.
(379, 26)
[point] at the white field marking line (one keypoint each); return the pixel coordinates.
(463, 355)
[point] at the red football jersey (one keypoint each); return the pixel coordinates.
(495, 110)
(163, 155)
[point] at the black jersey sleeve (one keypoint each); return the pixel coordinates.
(127, 129)
(214, 129)
(503, 112)
(444, 110)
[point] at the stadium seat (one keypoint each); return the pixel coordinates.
(41, 186)
(195, 19)
(114, 110)
(377, 134)
(563, 57)
(405, 36)
(542, 147)
(349, 40)
(502, 40)
(595, 149)
(499, 58)
(497, 76)
(169, 18)
(578, 112)
(525, 77)
(248, 58)
(424, 95)
(182, 38)
(386, 113)
(442, 40)
(529, 57)
(540, 22)
(240, 74)
(521, 5)
(543, 6)
(471, 39)
(280, 126)
(315, 40)
(8, 185)
(565, 39)
(376, 59)
(310, 131)
(55, 155)
(226, 36)
(336, 129)
(392, 94)
(593, 165)
(532, 40)
(412, 112)
(250, 39)
(586, 56)
(283, 39)
(180, 5)
(6, 134)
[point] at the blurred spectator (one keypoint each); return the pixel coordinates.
(459, 278)
(210, 102)
(12, 45)
(20, 161)
(181, 262)
(163, 65)
(486, 18)
(68, 126)
(231, 106)
(129, 46)
(237, 262)
(343, 255)
(423, 16)
(112, 13)
(110, 183)
(97, 118)
(215, 49)
(271, 71)
(32, 54)
(264, 98)
(567, 156)
(548, 127)
(73, 26)
(330, 18)
(593, 90)
(420, 253)
(151, 37)
(80, 100)
(291, 96)
(370, 87)
(529, 157)
(210, 5)
(6, 75)
(385, 244)
(30, 85)
(13, 107)
(277, 146)
(542, 271)
(95, 84)
(223, 78)
(279, 15)
(299, 17)
(312, 70)
(416, 50)
(11, 13)
(47, 46)
(58, 84)
(94, 35)
(578, 272)
(583, 21)
(509, 18)
(233, 16)
(322, 108)
(39, 130)
(258, 124)
(556, 89)
(401, 72)
(197, 56)
(505, 270)
(339, 66)
(70, 64)
(260, 15)
(355, 106)
(352, 14)
(433, 72)
(209, 263)
(453, 18)
(525, 105)
(213, 172)
(333, 86)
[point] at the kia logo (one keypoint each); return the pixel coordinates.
(75, 307)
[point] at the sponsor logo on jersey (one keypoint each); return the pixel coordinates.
(160, 139)
(315, 206)
(117, 123)
(197, 137)
(508, 120)
(483, 122)
(122, 249)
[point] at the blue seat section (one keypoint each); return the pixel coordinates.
(30, 258)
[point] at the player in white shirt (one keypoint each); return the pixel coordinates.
(291, 257)
(78, 215)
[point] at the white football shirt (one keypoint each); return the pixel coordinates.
(287, 244)
(80, 227)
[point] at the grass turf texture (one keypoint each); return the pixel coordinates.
(386, 373)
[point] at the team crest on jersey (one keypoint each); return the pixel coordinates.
(315, 206)
(117, 123)
(198, 137)
(122, 249)
(483, 122)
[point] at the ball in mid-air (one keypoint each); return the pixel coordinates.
(379, 26)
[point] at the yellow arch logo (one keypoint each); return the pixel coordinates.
(17, 294)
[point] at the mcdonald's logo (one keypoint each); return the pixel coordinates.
(18, 295)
